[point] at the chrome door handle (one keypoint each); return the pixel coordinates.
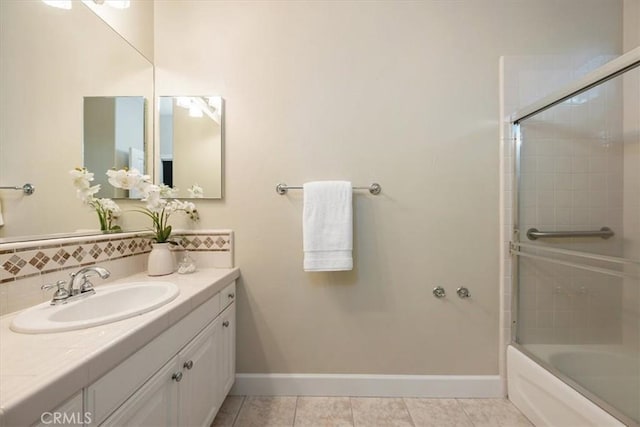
(188, 364)
(225, 323)
(177, 377)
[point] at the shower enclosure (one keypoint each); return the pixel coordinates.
(576, 237)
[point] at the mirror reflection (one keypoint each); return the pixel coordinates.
(114, 129)
(51, 60)
(190, 138)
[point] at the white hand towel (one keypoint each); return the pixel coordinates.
(327, 226)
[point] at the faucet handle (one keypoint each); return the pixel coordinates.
(60, 294)
(86, 286)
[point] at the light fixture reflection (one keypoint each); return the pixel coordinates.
(118, 4)
(195, 111)
(60, 4)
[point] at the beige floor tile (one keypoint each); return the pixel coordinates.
(323, 412)
(380, 412)
(437, 413)
(493, 413)
(259, 411)
(228, 411)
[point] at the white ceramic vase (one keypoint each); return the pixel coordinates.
(161, 260)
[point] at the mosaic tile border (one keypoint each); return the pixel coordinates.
(31, 261)
(65, 253)
(206, 242)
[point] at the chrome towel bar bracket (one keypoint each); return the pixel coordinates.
(374, 188)
(604, 232)
(27, 189)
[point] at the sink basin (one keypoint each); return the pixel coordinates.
(108, 304)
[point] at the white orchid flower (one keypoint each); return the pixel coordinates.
(168, 192)
(81, 178)
(196, 192)
(86, 194)
(127, 179)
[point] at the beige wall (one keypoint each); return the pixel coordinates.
(135, 24)
(402, 93)
(50, 59)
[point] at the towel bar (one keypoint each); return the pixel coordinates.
(374, 188)
(27, 189)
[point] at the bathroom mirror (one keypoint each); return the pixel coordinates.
(51, 60)
(113, 137)
(190, 138)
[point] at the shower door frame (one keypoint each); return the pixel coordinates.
(612, 69)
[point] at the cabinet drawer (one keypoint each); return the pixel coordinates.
(227, 295)
(110, 391)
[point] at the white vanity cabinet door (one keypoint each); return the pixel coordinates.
(155, 404)
(70, 413)
(198, 397)
(227, 348)
(228, 295)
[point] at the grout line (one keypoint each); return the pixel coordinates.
(404, 402)
(295, 412)
(353, 419)
(235, 418)
(465, 412)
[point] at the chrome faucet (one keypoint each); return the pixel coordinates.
(84, 288)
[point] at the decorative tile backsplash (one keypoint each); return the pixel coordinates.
(26, 266)
(26, 259)
(209, 242)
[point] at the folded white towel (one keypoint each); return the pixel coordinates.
(327, 226)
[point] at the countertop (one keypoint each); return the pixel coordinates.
(40, 371)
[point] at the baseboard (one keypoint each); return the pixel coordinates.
(432, 386)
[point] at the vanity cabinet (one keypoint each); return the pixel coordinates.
(153, 405)
(199, 399)
(196, 373)
(70, 413)
(227, 348)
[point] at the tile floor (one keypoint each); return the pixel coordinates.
(288, 411)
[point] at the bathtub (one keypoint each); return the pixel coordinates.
(548, 401)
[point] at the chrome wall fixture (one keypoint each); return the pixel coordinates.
(463, 292)
(27, 189)
(282, 188)
(604, 232)
(439, 292)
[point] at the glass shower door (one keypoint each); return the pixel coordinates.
(578, 242)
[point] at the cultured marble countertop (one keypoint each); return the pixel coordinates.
(40, 371)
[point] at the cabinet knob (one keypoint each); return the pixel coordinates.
(231, 295)
(188, 364)
(177, 377)
(225, 323)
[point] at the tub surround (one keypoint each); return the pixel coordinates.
(546, 400)
(39, 372)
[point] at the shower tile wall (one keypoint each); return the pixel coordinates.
(571, 179)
